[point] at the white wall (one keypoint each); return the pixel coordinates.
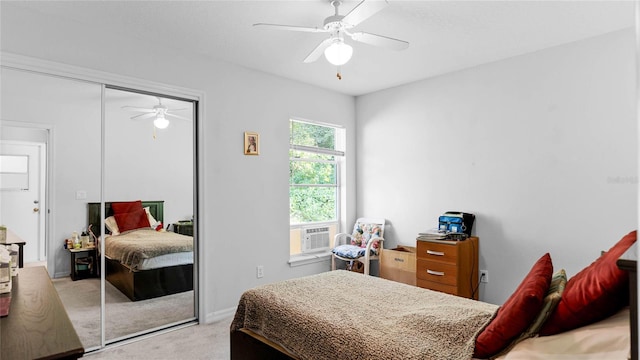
(541, 147)
(245, 213)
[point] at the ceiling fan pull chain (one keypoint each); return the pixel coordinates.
(338, 74)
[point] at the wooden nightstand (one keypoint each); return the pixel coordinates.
(183, 227)
(84, 263)
(448, 266)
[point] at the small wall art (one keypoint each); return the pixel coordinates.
(251, 143)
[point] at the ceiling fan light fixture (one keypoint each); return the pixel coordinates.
(160, 122)
(338, 53)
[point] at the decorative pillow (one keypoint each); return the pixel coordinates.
(558, 283)
(126, 206)
(132, 220)
(155, 224)
(515, 315)
(362, 233)
(112, 225)
(596, 292)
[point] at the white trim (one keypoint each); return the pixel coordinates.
(306, 259)
(317, 150)
(220, 315)
(20, 62)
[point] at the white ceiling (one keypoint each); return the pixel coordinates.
(444, 36)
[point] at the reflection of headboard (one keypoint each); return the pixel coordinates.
(156, 208)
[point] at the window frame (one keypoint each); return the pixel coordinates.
(339, 162)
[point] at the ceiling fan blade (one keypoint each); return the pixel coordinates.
(291, 28)
(319, 50)
(363, 11)
(379, 40)
(177, 117)
(143, 116)
(133, 108)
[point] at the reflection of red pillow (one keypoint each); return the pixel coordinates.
(132, 220)
(596, 292)
(517, 313)
(126, 207)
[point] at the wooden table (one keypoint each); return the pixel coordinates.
(38, 326)
(629, 262)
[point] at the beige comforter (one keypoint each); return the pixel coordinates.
(345, 315)
(132, 247)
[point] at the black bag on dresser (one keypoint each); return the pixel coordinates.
(456, 222)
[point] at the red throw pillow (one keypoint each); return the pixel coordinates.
(126, 206)
(132, 220)
(517, 313)
(596, 292)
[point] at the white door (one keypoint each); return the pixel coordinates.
(22, 195)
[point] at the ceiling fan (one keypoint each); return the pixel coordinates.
(334, 48)
(159, 113)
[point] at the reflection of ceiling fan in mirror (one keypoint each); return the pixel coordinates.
(159, 113)
(335, 49)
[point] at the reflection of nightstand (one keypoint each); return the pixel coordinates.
(183, 227)
(84, 263)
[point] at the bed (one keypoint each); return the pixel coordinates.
(145, 263)
(305, 318)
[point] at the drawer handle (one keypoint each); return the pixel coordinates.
(437, 273)
(398, 259)
(437, 253)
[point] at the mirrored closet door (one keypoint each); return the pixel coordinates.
(149, 207)
(119, 164)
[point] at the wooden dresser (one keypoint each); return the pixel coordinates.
(38, 326)
(448, 266)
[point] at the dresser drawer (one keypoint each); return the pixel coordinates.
(426, 284)
(437, 252)
(437, 272)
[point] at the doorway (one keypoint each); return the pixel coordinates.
(23, 188)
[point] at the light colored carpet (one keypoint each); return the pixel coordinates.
(122, 316)
(209, 341)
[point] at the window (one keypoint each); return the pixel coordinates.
(14, 172)
(315, 160)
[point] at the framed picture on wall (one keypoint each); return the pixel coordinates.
(251, 143)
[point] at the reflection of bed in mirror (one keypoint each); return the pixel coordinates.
(144, 263)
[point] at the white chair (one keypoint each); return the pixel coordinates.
(363, 245)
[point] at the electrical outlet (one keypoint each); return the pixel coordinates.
(259, 271)
(484, 276)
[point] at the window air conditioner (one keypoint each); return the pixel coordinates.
(315, 239)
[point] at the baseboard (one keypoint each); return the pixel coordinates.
(219, 315)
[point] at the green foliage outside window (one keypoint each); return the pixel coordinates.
(312, 135)
(312, 176)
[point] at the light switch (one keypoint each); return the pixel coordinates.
(81, 195)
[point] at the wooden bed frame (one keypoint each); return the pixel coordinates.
(247, 345)
(142, 284)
